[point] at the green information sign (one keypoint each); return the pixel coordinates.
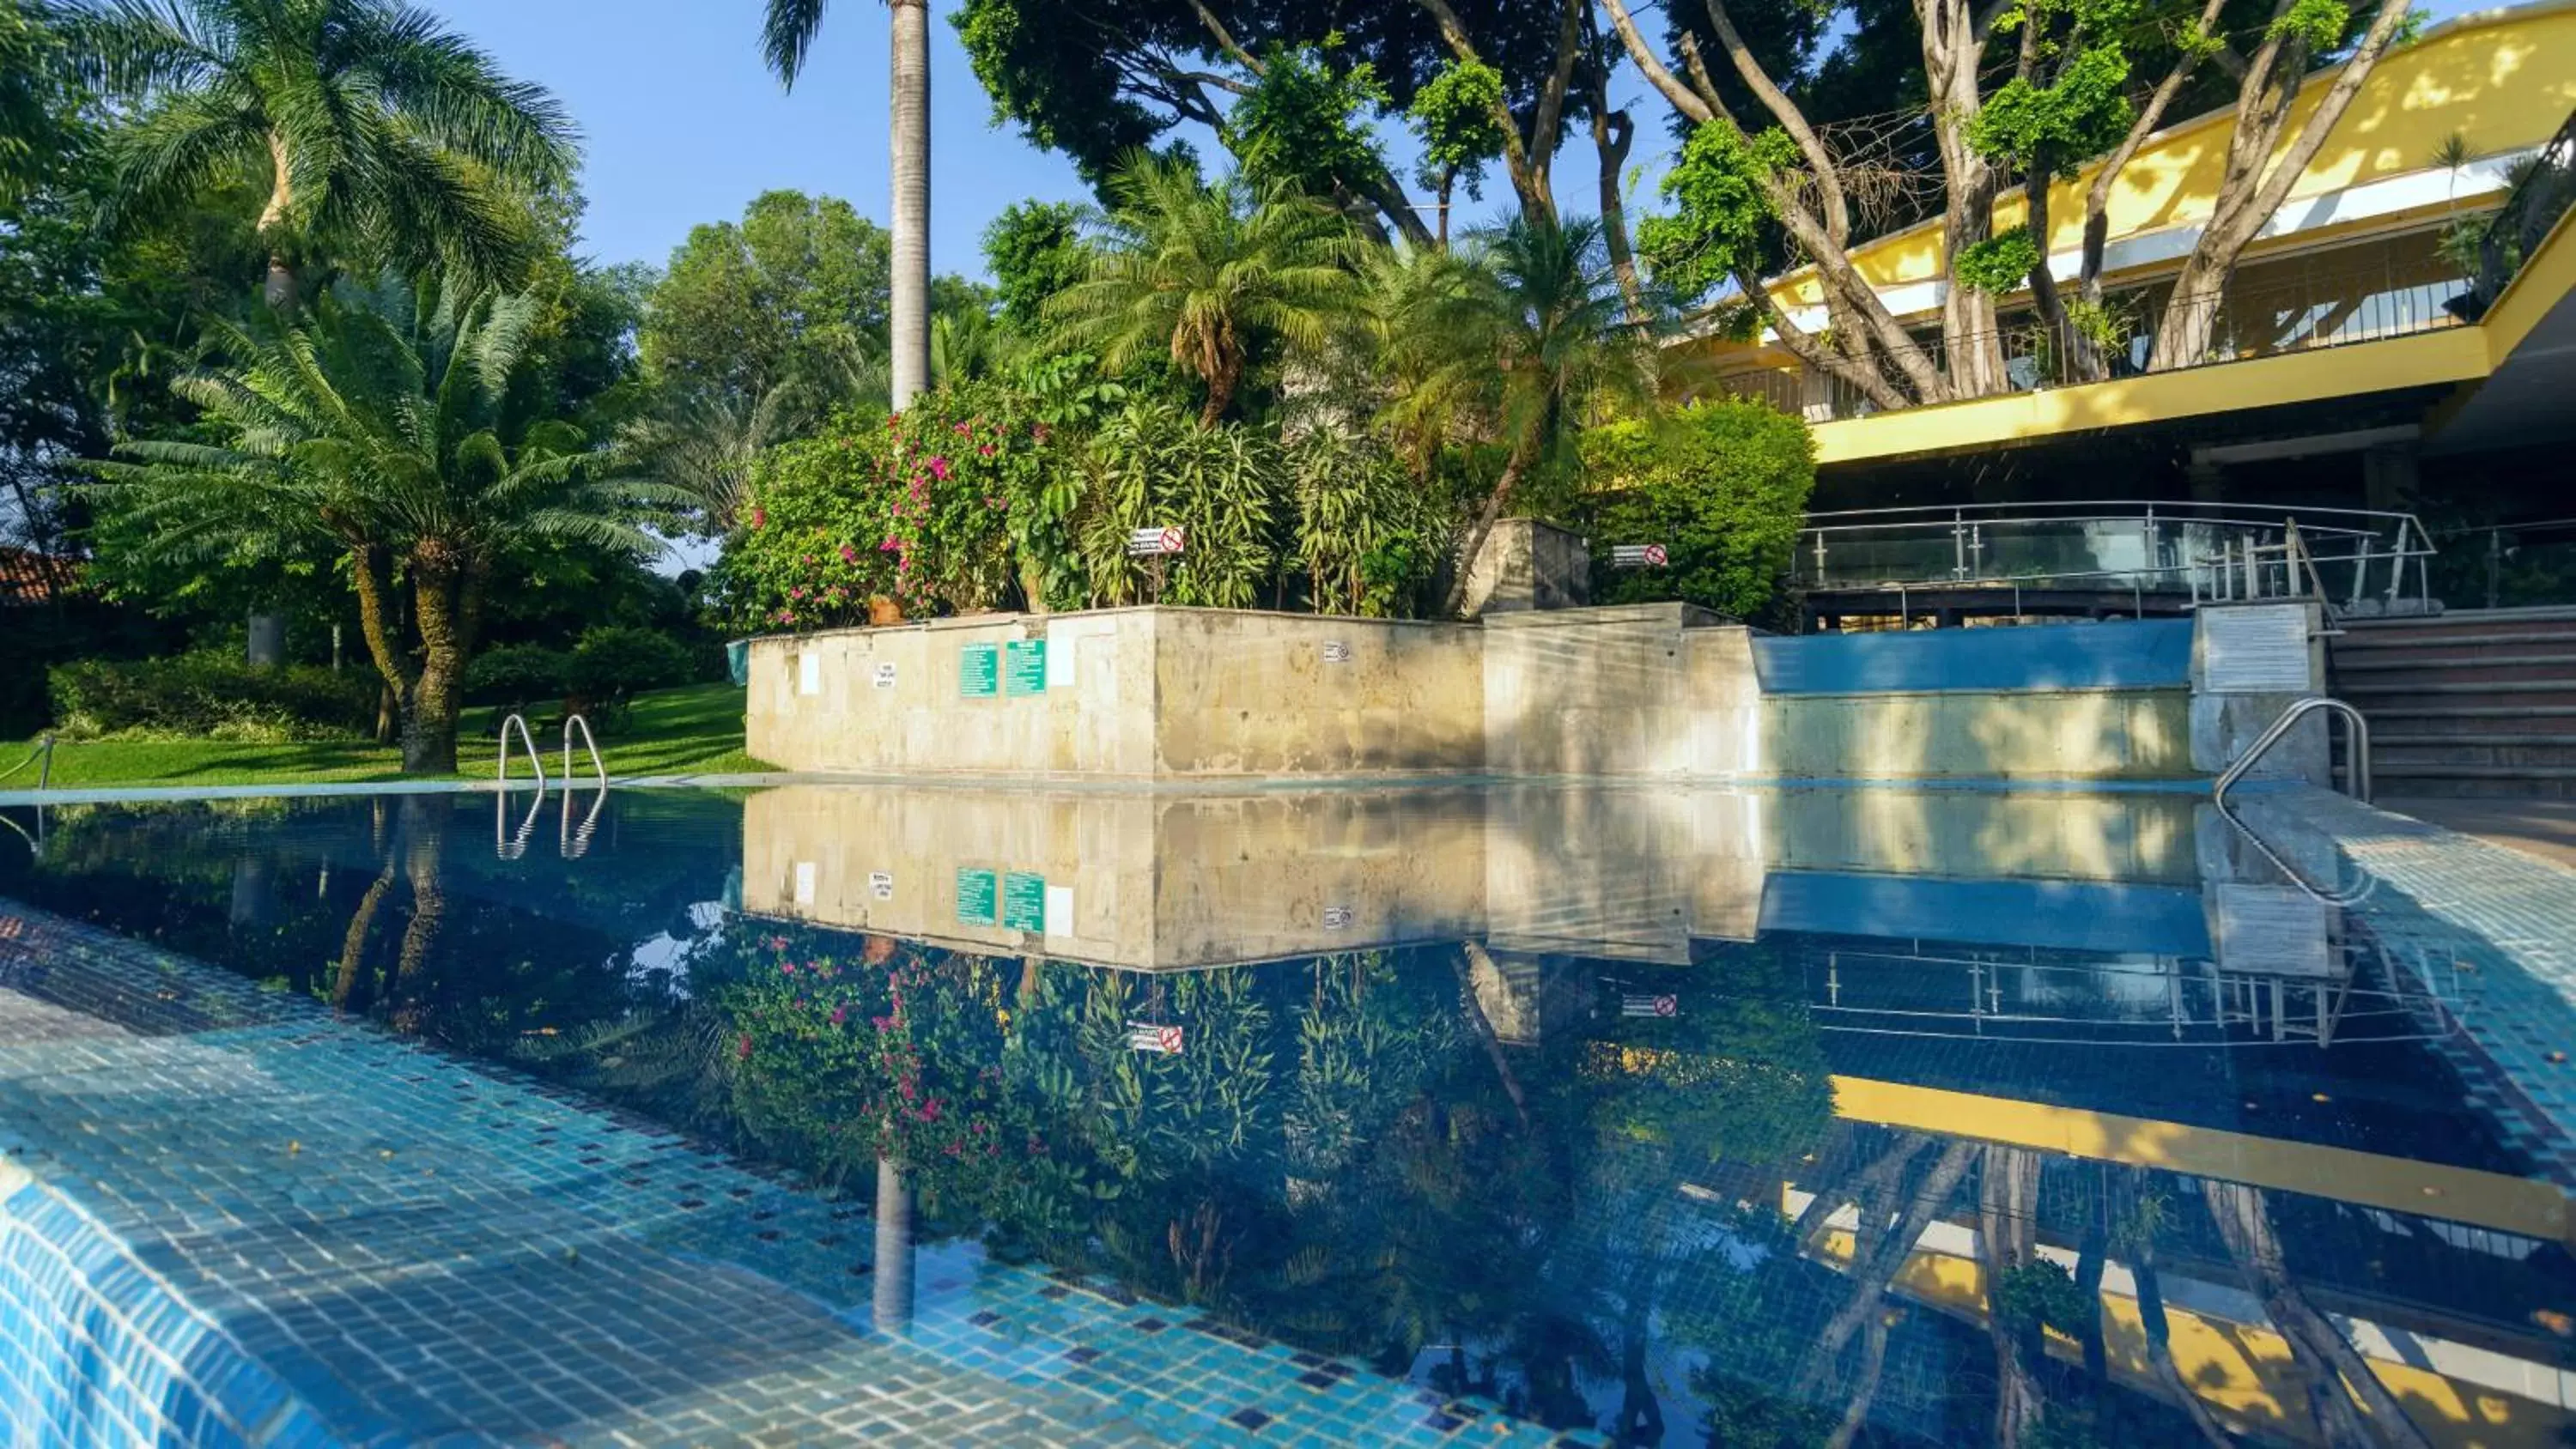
(975, 897)
(979, 671)
(1024, 901)
(1025, 669)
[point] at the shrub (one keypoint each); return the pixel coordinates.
(1721, 484)
(612, 665)
(518, 676)
(212, 696)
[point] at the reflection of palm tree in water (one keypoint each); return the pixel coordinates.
(424, 828)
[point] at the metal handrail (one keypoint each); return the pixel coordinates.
(2357, 776)
(44, 751)
(589, 742)
(501, 771)
(504, 844)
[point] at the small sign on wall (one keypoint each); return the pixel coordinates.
(1337, 651)
(1024, 668)
(809, 673)
(804, 882)
(881, 884)
(979, 671)
(885, 675)
(2260, 648)
(1023, 901)
(978, 892)
(1638, 556)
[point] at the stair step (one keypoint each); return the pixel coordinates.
(2380, 740)
(2553, 692)
(2452, 618)
(2414, 659)
(2355, 642)
(2419, 673)
(2407, 758)
(2386, 785)
(2380, 777)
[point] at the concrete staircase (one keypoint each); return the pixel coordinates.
(2475, 702)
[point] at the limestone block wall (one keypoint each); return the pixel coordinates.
(1139, 693)
(1122, 878)
(1591, 691)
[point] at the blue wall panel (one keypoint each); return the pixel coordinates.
(2123, 654)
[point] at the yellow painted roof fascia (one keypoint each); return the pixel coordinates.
(2453, 354)
(2458, 1194)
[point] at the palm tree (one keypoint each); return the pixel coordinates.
(1202, 272)
(786, 38)
(1523, 339)
(377, 129)
(403, 440)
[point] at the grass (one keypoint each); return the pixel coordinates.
(694, 730)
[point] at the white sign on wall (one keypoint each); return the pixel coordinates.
(885, 675)
(881, 884)
(804, 882)
(2257, 648)
(809, 673)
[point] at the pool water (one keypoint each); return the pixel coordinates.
(1356, 1117)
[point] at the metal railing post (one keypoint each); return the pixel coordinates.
(589, 742)
(2357, 776)
(501, 769)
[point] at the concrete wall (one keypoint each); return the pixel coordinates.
(1123, 693)
(1649, 691)
(1122, 878)
(2250, 662)
(1174, 882)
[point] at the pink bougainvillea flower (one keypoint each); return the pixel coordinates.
(759, 518)
(849, 555)
(786, 968)
(778, 943)
(742, 1049)
(797, 592)
(939, 468)
(984, 449)
(840, 1014)
(890, 545)
(962, 429)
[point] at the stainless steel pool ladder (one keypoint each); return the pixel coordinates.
(570, 842)
(589, 742)
(501, 772)
(44, 751)
(2357, 773)
(2356, 776)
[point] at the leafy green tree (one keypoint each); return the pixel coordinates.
(381, 136)
(1206, 274)
(794, 297)
(1034, 250)
(1454, 116)
(1300, 126)
(1721, 484)
(407, 440)
(1218, 482)
(787, 37)
(1526, 340)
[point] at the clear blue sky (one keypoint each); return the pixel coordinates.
(683, 125)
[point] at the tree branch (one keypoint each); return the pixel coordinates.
(1683, 99)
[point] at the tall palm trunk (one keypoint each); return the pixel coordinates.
(911, 241)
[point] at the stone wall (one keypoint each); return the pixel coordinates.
(1123, 694)
(1649, 691)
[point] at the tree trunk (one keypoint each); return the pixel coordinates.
(2007, 1207)
(1612, 132)
(425, 831)
(1523, 453)
(911, 239)
(2318, 1349)
(353, 944)
(1953, 52)
(429, 720)
(2254, 184)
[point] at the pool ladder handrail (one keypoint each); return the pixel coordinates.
(2357, 773)
(501, 771)
(44, 751)
(589, 742)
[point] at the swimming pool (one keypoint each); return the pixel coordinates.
(1444, 1115)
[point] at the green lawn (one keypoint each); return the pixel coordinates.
(694, 730)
